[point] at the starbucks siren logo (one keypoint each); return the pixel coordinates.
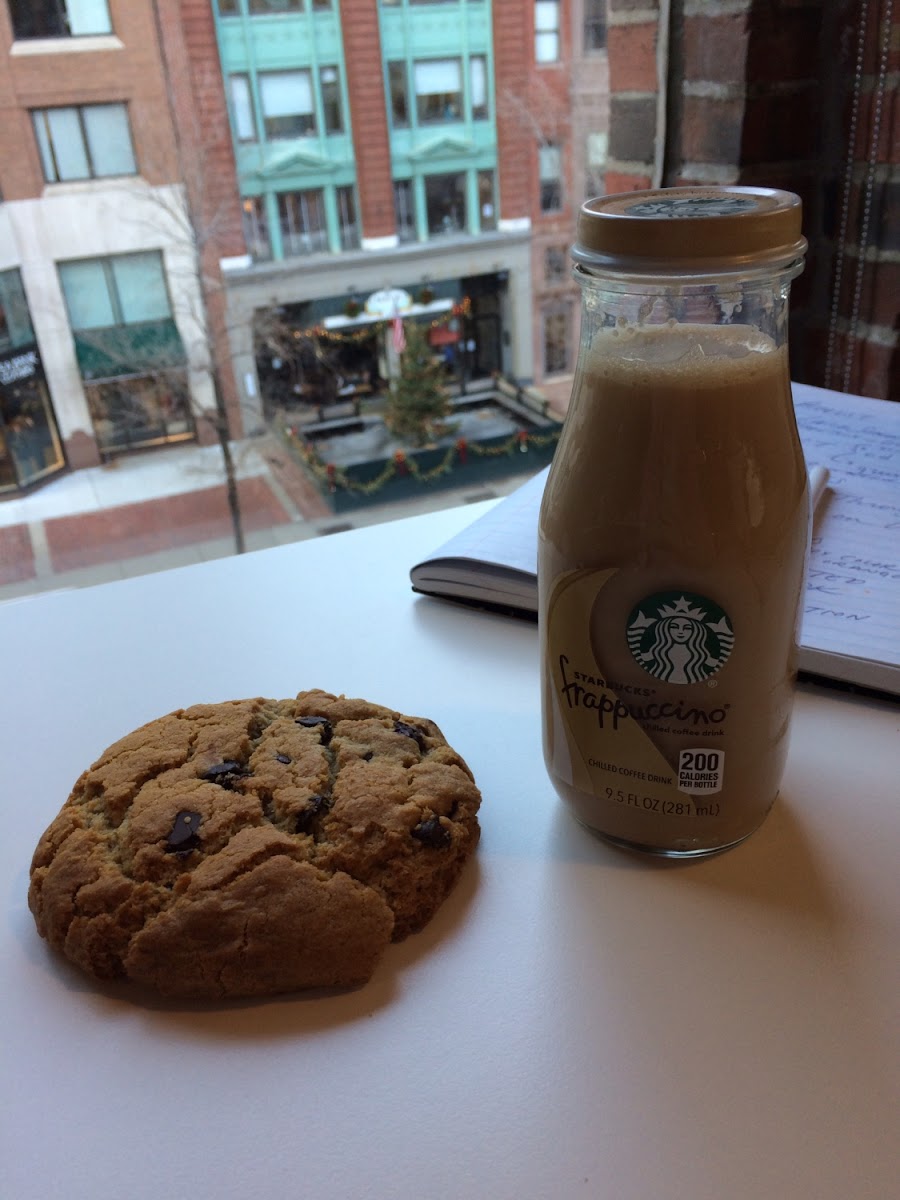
(679, 637)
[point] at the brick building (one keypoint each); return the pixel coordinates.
(103, 323)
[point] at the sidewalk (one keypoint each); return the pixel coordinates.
(168, 508)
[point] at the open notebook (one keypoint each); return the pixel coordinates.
(851, 623)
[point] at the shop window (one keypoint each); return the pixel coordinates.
(487, 200)
(438, 84)
(301, 216)
(445, 204)
(59, 18)
(287, 104)
(347, 222)
(399, 95)
(404, 210)
(330, 84)
(256, 227)
(89, 141)
(557, 352)
(128, 349)
(556, 265)
(546, 31)
(550, 172)
(242, 108)
(478, 89)
(594, 25)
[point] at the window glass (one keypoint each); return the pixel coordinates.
(109, 139)
(346, 206)
(438, 90)
(594, 24)
(87, 294)
(275, 6)
(445, 204)
(550, 167)
(88, 16)
(63, 150)
(242, 107)
(487, 203)
(478, 87)
(256, 227)
(140, 285)
(399, 97)
(287, 103)
(546, 31)
(404, 210)
(330, 84)
(556, 342)
(229, 8)
(15, 323)
(301, 216)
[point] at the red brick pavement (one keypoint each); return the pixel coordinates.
(16, 554)
(131, 530)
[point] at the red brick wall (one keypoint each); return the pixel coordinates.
(371, 144)
(513, 34)
(631, 43)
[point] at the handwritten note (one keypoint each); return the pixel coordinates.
(851, 623)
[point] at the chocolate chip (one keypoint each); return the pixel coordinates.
(305, 818)
(410, 731)
(282, 758)
(431, 832)
(316, 722)
(184, 836)
(226, 774)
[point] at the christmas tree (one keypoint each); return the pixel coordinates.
(419, 402)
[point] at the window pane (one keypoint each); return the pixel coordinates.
(67, 144)
(109, 139)
(229, 8)
(556, 343)
(399, 98)
(594, 24)
(88, 16)
(487, 205)
(550, 170)
(302, 219)
(33, 20)
(331, 100)
(434, 78)
(346, 205)
(546, 16)
(242, 106)
(438, 90)
(15, 323)
(287, 103)
(546, 47)
(404, 210)
(42, 134)
(445, 203)
(86, 290)
(478, 84)
(275, 6)
(141, 286)
(256, 227)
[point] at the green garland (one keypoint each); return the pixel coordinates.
(404, 464)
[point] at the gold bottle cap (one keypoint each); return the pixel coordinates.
(690, 230)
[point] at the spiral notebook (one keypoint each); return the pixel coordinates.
(851, 621)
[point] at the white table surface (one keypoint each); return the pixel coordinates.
(574, 1022)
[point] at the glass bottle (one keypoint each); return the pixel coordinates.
(675, 524)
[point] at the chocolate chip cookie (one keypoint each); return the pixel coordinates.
(256, 846)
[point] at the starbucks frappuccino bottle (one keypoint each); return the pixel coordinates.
(674, 528)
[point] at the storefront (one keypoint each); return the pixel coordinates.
(30, 446)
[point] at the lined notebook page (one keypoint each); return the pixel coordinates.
(852, 608)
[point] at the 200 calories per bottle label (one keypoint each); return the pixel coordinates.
(644, 748)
